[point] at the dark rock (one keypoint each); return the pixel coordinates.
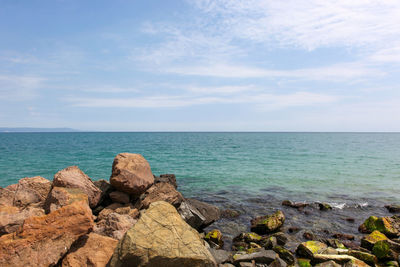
(296, 205)
(191, 215)
(393, 208)
(285, 255)
(166, 178)
(310, 248)
(221, 256)
(278, 263)
(343, 236)
(210, 212)
(106, 188)
(351, 220)
(293, 229)
(214, 238)
(268, 224)
(324, 206)
(229, 213)
(119, 197)
(262, 256)
(309, 236)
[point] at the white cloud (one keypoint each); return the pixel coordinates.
(19, 87)
(263, 101)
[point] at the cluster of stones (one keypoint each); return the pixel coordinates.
(136, 219)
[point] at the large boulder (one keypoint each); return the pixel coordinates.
(131, 173)
(161, 192)
(114, 225)
(30, 191)
(161, 238)
(268, 224)
(44, 240)
(387, 225)
(11, 218)
(210, 212)
(93, 250)
(369, 241)
(73, 177)
(63, 196)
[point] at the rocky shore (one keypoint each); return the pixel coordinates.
(138, 219)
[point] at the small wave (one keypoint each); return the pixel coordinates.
(362, 205)
(338, 205)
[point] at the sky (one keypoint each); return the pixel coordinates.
(201, 65)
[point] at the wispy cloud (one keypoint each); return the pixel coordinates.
(19, 87)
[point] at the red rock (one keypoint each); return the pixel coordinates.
(11, 218)
(62, 196)
(119, 197)
(114, 225)
(73, 177)
(131, 173)
(93, 250)
(44, 240)
(161, 192)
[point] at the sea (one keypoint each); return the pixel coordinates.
(252, 173)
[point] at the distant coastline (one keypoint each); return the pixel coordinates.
(36, 130)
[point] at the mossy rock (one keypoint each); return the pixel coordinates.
(369, 241)
(309, 248)
(364, 256)
(248, 237)
(269, 242)
(381, 249)
(304, 262)
(214, 238)
(392, 264)
(324, 206)
(355, 263)
(268, 224)
(335, 243)
(284, 254)
(381, 224)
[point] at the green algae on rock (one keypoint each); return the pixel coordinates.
(304, 262)
(369, 241)
(310, 248)
(384, 225)
(268, 224)
(381, 249)
(214, 238)
(285, 254)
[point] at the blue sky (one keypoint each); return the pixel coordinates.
(201, 65)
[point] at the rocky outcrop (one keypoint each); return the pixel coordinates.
(92, 250)
(62, 196)
(11, 218)
(161, 238)
(161, 192)
(73, 177)
(131, 174)
(44, 240)
(30, 191)
(268, 224)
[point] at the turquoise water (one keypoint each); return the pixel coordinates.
(298, 166)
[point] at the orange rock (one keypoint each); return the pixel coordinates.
(44, 240)
(11, 218)
(131, 173)
(62, 196)
(93, 249)
(73, 177)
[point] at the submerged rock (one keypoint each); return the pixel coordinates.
(93, 250)
(73, 177)
(296, 205)
(393, 208)
(44, 240)
(161, 238)
(268, 224)
(131, 173)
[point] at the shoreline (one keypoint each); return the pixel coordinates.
(285, 236)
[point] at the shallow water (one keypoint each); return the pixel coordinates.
(250, 172)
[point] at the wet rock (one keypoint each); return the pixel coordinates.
(230, 213)
(268, 224)
(393, 208)
(324, 206)
(44, 240)
(191, 215)
(285, 255)
(214, 238)
(248, 237)
(351, 244)
(11, 218)
(92, 250)
(381, 250)
(119, 197)
(221, 256)
(30, 191)
(62, 196)
(328, 264)
(166, 178)
(114, 225)
(293, 229)
(386, 225)
(369, 241)
(310, 248)
(364, 256)
(262, 256)
(131, 173)
(73, 177)
(350, 220)
(343, 236)
(296, 205)
(161, 192)
(309, 236)
(209, 212)
(161, 238)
